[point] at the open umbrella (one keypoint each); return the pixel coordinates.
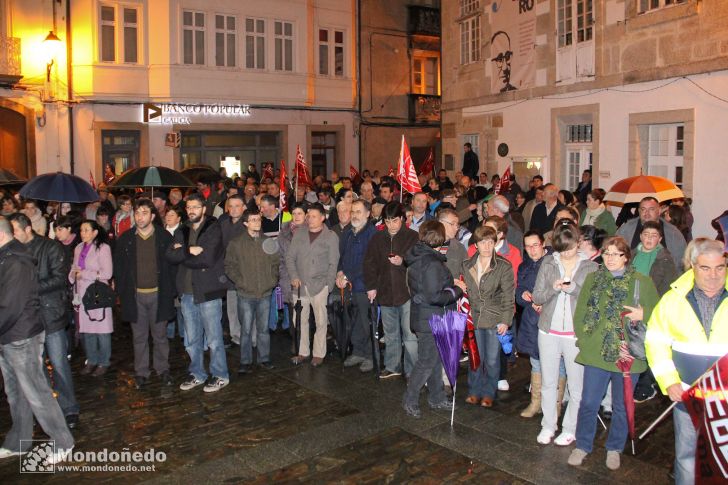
(624, 364)
(373, 329)
(341, 318)
(634, 189)
(197, 172)
(152, 177)
(59, 187)
(448, 331)
(9, 178)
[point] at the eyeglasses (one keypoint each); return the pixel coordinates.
(450, 223)
(612, 255)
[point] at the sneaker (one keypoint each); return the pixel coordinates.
(412, 411)
(545, 436)
(166, 378)
(503, 385)
(613, 460)
(386, 374)
(642, 395)
(446, 405)
(72, 421)
(191, 383)
(216, 384)
(58, 456)
(366, 366)
(576, 458)
(353, 360)
(6, 453)
(564, 439)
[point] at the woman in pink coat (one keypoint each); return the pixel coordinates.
(92, 261)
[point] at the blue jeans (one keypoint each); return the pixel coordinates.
(254, 310)
(56, 346)
(203, 321)
(179, 323)
(536, 367)
(595, 385)
(29, 395)
(98, 348)
(396, 324)
(686, 439)
(483, 382)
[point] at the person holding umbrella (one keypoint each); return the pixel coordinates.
(433, 291)
(607, 300)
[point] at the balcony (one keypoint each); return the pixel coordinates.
(9, 60)
(424, 108)
(423, 21)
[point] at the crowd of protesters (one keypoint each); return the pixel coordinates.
(222, 265)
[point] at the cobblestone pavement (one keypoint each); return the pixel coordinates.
(322, 425)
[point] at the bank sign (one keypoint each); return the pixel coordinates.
(182, 114)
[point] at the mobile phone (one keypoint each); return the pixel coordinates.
(566, 282)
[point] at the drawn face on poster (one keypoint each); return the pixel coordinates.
(501, 45)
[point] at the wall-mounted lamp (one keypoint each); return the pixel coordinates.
(52, 45)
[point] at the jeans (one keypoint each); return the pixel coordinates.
(427, 369)
(396, 323)
(56, 346)
(254, 310)
(595, 385)
(536, 367)
(180, 323)
(686, 439)
(145, 325)
(204, 321)
(483, 382)
(29, 395)
(98, 348)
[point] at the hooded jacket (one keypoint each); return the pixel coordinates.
(19, 304)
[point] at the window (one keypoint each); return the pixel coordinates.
(468, 7)
(323, 152)
(651, 5)
(470, 40)
(193, 33)
(225, 40)
(665, 151)
(579, 134)
(120, 149)
(126, 37)
(254, 43)
(473, 140)
(327, 39)
(131, 29)
(284, 45)
(579, 152)
(425, 75)
(575, 36)
(107, 46)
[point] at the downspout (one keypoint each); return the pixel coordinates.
(360, 75)
(69, 75)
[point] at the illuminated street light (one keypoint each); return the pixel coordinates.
(52, 45)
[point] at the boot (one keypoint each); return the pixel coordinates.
(560, 395)
(535, 407)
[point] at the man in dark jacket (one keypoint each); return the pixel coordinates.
(385, 277)
(471, 164)
(251, 263)
(201, 282)
(352, 248)
(544, 214)
(53, 267)
(231, 225)
(145, 285)
(21, 347)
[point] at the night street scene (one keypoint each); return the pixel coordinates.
(363, 241)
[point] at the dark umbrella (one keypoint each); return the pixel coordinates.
(341, 318)
(448, 331)
(196, 173)
(152, 177)
(59, 187)
(374, 326)
(624, 364)
(9, 178)
(298, 308)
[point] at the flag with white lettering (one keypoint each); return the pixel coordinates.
(302, 176)
(283, 198)
(354, 175)
(429, 164)
(406, 174)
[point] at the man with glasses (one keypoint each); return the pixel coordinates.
(385, 277)
(198, 252)
(672, 238)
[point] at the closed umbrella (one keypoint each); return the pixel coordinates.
(448, 331)
(59, 187)
(297, 308)
(152, 177)
(634, 189)
(341, 318)
(373, 328)
(624, 364)
(9, 178)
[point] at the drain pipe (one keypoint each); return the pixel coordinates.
(69, 75)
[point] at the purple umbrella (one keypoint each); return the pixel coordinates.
(448, 331)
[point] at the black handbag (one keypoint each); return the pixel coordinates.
(98, 295)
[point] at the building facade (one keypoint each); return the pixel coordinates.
(178, 83)
(621, 87)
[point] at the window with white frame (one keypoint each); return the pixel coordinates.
(254, 43)
(331, 39)
(425, 74)
(283, 32)
(575, 40)
(470, 40)
(666, 144)
(119, 44)
(193, 37)
(474, 143)
(652, 5)
(578, 150)
(468, 7)
(225, 40)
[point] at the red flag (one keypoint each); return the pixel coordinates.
(91, 179)
(707, 403)
(302, 176)
(469, 343)
(505, 181)
(354, 175)
(283, 198)
(429, 164)
(268, 171)
(406, 174)
(391, 172)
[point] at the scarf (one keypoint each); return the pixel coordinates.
(591, 215)
(82, 256)
(615, 290)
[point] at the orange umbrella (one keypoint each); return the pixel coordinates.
(634, 189)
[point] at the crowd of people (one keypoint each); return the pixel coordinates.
(222, 264)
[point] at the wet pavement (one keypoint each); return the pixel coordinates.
(323, 425)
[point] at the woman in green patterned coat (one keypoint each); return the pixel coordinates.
(605, 295)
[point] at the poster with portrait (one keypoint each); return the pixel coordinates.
(512, 45)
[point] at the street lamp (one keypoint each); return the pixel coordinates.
(52, 45)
